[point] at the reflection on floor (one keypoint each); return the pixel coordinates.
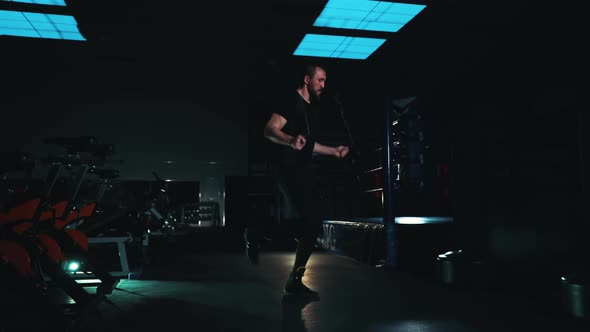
(206, 283)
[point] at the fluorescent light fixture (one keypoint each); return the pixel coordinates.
(422, 220)
(332, 46)
(39, 25)
(367, 15)
(41, 2)
(88, 281)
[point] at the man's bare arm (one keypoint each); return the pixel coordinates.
(273, 130)
(338, 152)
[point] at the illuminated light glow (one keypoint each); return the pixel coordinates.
(398, 220)
(450, 253)
(88, 281)
(421, 220)
(333, 46)
(41, 2)
(73, 266)
(367, 15)
(39, 25)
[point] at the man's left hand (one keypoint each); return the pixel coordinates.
(342, 151)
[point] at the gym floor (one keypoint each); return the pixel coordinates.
(205, 282)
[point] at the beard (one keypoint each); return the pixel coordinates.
(315, 95)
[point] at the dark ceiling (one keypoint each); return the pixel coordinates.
(238, 43)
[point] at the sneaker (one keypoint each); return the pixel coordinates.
(295, 284)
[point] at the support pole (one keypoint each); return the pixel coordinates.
(388, 194)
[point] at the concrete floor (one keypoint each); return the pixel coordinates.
(205, 282)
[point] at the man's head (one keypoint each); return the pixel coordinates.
(314, 80)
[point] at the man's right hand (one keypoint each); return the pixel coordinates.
(298, 142)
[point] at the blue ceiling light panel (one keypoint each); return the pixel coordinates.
(332, 46)
(41, 2)
(367, 15)
(39, 25)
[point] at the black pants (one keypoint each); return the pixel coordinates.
(301, 203)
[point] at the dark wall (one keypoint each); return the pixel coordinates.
(517, 130)
(153, 105)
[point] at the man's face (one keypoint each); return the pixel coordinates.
(316, 84)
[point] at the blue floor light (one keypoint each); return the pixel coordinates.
(73, 266)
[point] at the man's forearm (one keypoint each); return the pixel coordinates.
(278, 136)
(324, 149)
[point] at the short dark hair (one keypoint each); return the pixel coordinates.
(309, 70)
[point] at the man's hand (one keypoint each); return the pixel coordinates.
(342, 151)
(298, 142)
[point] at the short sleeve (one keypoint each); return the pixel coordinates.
(283, 105)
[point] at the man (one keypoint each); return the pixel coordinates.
(293, 127)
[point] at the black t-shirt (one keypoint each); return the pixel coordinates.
(302, 119)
